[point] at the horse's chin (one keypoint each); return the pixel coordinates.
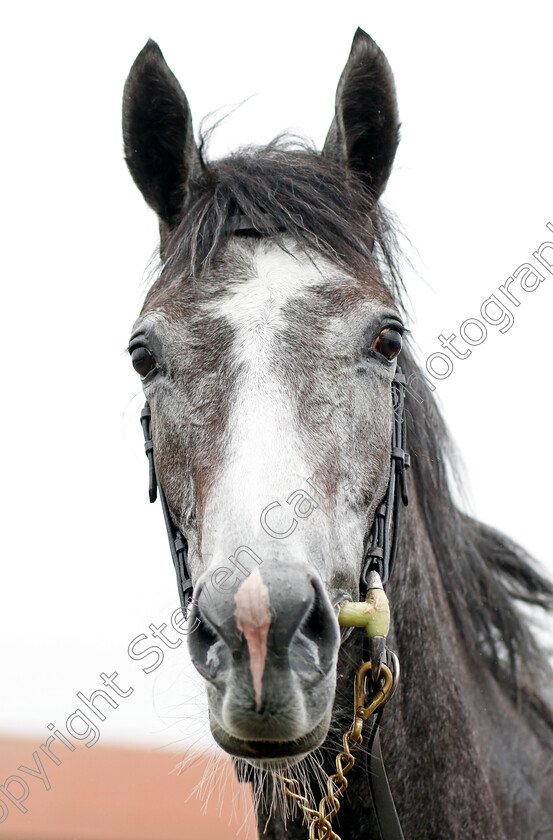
(271, 754)
(276, 765)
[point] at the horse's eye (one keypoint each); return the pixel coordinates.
(142, 361)
(388, 343)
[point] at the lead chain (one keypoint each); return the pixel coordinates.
(320, 826)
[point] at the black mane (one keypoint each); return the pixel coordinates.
(299, 192)
(485, 573)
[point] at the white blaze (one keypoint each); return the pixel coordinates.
(253, 619)
(264, 460)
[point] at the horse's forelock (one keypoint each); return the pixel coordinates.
(281, 191)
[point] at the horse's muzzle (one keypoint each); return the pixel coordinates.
(268, 650)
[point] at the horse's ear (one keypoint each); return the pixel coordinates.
(364, 134)
(157, 130)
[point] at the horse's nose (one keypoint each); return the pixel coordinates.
(279, 614)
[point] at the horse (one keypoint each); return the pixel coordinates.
(271, 349)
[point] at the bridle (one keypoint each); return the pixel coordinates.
(385, 531)
(177, 542)
(383, 538)
(379, 561)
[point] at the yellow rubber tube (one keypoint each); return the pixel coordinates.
(373, 614)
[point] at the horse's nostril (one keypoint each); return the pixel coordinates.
(320, 629)
(320, 623)
(314, 625)
(205, 645)
(206, 631)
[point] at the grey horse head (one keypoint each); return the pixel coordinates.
(267, 348)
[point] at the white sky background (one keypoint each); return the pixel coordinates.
(85, 561)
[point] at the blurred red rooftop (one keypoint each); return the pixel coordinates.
(116, 793)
